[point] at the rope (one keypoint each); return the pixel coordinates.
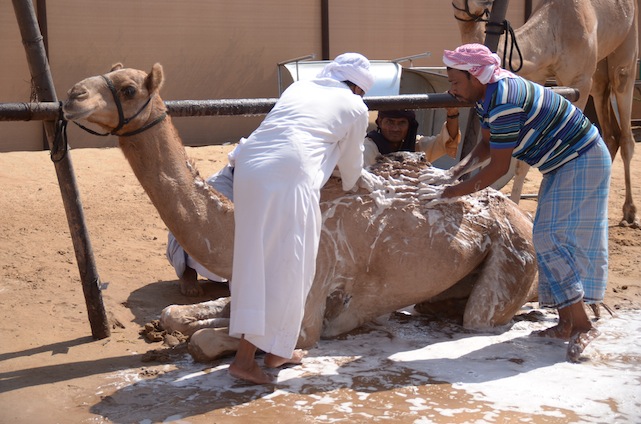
(505, 27)
(60, 144)
(122, 121)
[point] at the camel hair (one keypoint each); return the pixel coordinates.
(379, 252)
(590, 45)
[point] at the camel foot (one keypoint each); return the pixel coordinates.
(253, 374)
(556, 332)
(630, 223)
(274, 361)
(191, 289)
(578, 343)
(189, 285)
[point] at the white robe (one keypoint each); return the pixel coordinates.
(278, 173)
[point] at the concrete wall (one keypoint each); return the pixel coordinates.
(212, 49)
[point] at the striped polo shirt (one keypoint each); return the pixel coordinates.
(544, 129)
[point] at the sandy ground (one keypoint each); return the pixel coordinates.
(51, 370)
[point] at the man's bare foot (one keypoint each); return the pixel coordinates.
(275, 361)
(578, 343)
(557, 332)
(189, 285)
(253, 374)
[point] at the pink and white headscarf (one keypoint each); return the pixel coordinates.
(478, 60)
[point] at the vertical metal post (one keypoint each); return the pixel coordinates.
(325, 29)
(41, 16)
(492, 35)
(493, 28)
(41, 78)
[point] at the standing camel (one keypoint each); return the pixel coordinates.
(378, 253)
(590, 45)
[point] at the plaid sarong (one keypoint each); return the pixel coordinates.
(571, 230)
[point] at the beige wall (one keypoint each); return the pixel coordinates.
(212, 49)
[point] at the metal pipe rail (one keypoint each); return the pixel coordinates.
(49, 111)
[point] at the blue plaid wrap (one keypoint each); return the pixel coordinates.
(571, 230)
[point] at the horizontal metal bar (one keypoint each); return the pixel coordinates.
(44, 111)
(296, 59)
(227, 107)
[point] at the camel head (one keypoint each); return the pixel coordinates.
(470, 16)
(471, 10)
(115, 99)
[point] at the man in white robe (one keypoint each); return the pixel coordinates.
(279, 170)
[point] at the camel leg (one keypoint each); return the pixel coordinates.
(522, 169)
(621, 72)
(499, 292)
(208, 323)
(190, 318)
(208, 344)
(617, 133)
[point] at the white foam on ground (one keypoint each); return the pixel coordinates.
(419, 371)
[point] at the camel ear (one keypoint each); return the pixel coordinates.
(155, 78)
(116, 66)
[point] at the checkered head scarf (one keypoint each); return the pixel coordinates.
(478, 60)
(352, 67)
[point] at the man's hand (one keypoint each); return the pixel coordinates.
(435, 176)
(370, 182)
(427, 192)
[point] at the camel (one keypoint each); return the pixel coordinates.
(379, 251)
(590, 45)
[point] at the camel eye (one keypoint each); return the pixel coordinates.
(129, 91)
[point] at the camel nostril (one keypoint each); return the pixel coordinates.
(77, 93)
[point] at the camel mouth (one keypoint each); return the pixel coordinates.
(73, 111)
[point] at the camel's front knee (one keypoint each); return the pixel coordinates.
(208, 344)
(190, 318)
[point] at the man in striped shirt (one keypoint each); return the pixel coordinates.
(524, 120)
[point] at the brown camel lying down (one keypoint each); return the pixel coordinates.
(378, 252)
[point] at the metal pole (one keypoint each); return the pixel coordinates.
(493, 30)
(41, 11)
(41, 78)
(325, 29)
(235, 107)
(494, 26)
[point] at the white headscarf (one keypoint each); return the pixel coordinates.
(478, 60)
(352, 67)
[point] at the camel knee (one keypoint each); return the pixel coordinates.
(308, 337)
(481, 315)
(497, 297)
(208, 344)
(190, 318)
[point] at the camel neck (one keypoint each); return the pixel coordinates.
(198, 216)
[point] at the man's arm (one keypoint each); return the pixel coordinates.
(475, 159)
(370, 152)
(498, 166)
(452, 123)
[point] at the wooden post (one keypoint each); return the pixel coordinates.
(41, 78)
